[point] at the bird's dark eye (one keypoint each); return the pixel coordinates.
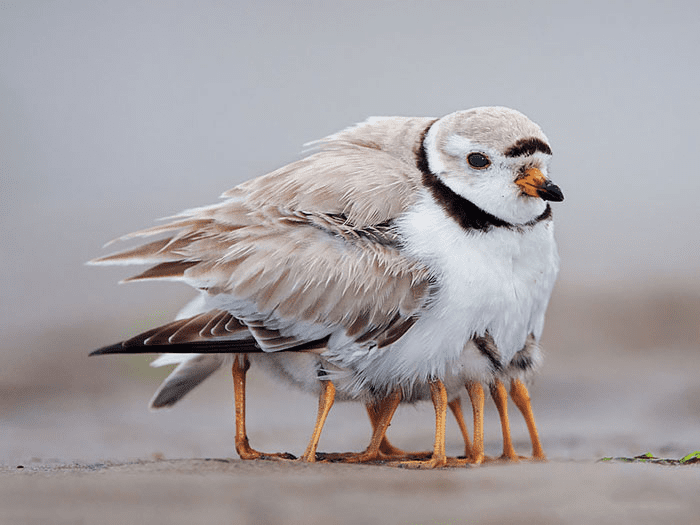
(478, 161)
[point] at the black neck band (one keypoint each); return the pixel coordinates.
(467, 214)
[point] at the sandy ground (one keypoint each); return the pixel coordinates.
(621, 378)
(231, 491)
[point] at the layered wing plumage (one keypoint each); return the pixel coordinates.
(291, 256)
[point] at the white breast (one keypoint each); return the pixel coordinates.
(498, 281)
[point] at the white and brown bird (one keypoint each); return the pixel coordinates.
(406, 253)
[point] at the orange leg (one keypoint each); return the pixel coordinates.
(385, 447)
(500, 398)
(456, 408)
(438, 395)
(476, 395)
(238, 371)
(325, 402)
(387, 451)
(385, 410)
(521, 398)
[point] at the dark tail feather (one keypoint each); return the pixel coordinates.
(245, 346)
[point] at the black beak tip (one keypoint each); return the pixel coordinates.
(551, 192)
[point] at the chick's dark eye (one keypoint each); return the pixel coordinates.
(478, 161)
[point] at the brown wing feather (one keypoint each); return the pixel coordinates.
(167, 270)
(312, 240)
(215, 326)
(190, 330)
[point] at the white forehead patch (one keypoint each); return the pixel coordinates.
(458, 145)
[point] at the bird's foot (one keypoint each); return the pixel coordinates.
(371, 457)
(249, 453)
(361, 457)
(434, 462)
(503, 458)
(477, 459)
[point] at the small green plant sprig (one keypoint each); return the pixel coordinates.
(690, 459)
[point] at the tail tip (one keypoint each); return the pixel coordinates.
(105, 350)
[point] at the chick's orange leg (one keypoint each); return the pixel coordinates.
(385, 410)
(456, 408)
(500, 398)
(325, 402)
(385, 447)
(476, 395)
(387, 451)
(521, 398)
(438, 395)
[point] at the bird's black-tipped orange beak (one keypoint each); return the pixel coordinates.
(533, 183)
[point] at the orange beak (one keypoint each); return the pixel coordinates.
(535, 184)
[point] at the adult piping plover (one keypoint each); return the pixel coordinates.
(407, 253)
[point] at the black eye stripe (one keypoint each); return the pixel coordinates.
(478, 161)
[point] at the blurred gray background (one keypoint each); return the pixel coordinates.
(114, 114)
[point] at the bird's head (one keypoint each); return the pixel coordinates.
(496, 158)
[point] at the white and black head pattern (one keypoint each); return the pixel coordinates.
(495, 158)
